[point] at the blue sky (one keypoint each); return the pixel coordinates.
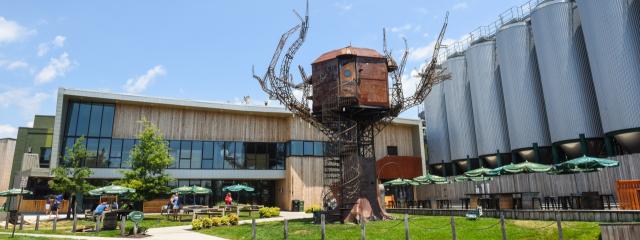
(199, 50)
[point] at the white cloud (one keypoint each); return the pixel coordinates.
(460, 6)
(139, 84)
(343, 6)
(56, 67)
(11, 31)
(29, 124)
(8, 131)
(424, 52)
(27, 102)
(404, 28)
(57, 42)
(13, 65)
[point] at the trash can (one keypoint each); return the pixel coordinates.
(300, 206)
(295, 205)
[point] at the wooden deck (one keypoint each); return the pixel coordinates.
(564, 215)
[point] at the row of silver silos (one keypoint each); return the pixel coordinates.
(560, 83)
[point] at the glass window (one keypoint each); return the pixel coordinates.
(185, 154)
(207, 150)
(296, 148)
(240, 155)
(185, 149)
(250, 149)
(103, 152)
(218, 155)
(318, 149)
(174, 151)
(229, 155)
(107, 120)
(281, 156)
(116, 148)
(96, 119)
(262, 156)
(45, 157)
(92, 152)
(72, 118)
(392, 150)
(83, 119)
(207, 163)
(308, 148)
(196, 155)
(182, 183)
(127, 145)
(115, 162)
(273, 153)
(68, 144)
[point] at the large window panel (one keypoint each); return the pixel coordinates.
(103, 152)
(250, 149)
(207, 163)
(72, 118)
(318, 149)
(218, 155)
(127, 145)
(108, 112)
(262, 156)
(185, 149)
(229, 155)
(116, 148)
(281, 155)
(196, 155)
(308, 148)
(296, 148)
(273, 155)
(83, 119)
(174, 151)
(240, 156)
(95, 120)
(92, 152)
(207, 150)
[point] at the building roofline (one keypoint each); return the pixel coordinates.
(130, 98)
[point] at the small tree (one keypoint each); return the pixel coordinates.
(148, 159)
(71, 177)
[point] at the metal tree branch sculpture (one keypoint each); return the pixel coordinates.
(350, 178)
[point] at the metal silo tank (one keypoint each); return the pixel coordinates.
(612, 35)
(462, 138)
(436, 126)
(488, 104)
(524, 103)
(569, 94)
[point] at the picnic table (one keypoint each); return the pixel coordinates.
(503, 200)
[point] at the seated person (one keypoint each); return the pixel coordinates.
(100, 210)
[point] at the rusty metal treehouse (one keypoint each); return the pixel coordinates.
(352, 101)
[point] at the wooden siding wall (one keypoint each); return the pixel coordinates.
(618, 231)
(603, 181)
(303, 181)
(396, 135)
(192, 124)
(301, 130)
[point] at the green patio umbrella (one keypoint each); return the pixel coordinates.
(463, 178)
(581, 165)
(523, 167)
(430, 179)
(238, 188)
(480, 172)
(111, 190)
(193, 190)
(15, 192)
(401, 182)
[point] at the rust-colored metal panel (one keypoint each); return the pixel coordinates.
(324, 81)
(392, 167)
(374, 88)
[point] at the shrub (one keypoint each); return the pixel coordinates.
(224, 221)
(141, 230)
(207, 222)
(313, 208)
(197, 224)
(267, 212)
(233, 219)
(215, 221)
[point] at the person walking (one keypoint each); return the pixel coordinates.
(47, 207)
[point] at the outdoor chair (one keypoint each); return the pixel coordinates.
(88, 214)
(609, 198)
(550, 202)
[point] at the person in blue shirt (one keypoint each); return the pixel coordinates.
(100, 209)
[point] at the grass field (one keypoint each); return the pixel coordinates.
(420, 227)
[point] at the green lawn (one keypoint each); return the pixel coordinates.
(17, 237)
(420, 227)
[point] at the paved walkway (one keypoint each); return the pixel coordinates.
(177, 232)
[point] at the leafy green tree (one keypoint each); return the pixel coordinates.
(71, 177)
(148, 159)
